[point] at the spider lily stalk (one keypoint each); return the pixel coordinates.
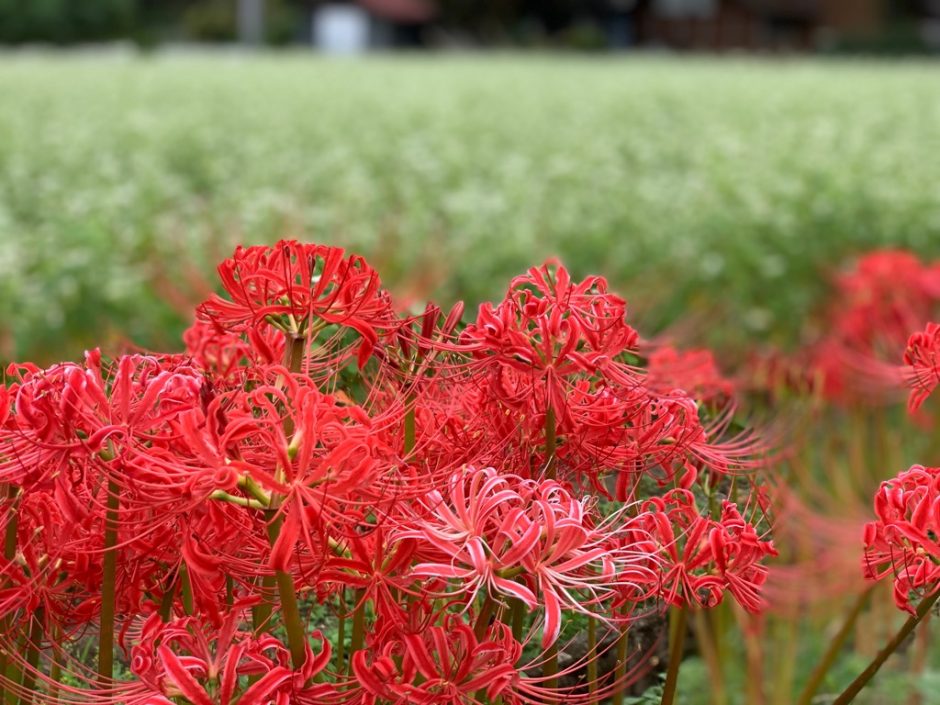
(676, 653)
(108, 586)
(9, 551)
(287, 593)
(855, 687)
(832, 650)
(551, 664)
(902, 543)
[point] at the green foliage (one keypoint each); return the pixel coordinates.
(730, 187)
(210, 21)
(65, 21)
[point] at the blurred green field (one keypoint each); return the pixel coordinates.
(728, 186)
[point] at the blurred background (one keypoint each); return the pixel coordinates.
(710, 156)
(830, 25)
(723, 162)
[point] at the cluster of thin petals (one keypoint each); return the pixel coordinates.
(704, 558)
(902, 541)
(922, 361)
(452, 493)
(877, 304)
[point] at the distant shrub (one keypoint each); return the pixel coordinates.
(65, 21)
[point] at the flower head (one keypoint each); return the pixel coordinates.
(903, 539)
(922, 356)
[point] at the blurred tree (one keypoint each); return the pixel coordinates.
(279, 21)
(210, 21)
(66, 21)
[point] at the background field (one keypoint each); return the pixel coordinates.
(729, 186)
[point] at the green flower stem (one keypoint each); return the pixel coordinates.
(483, 619)
(108, 586)
(358, 626)
(832, 651)
(706, 630)
(33, 649)
(9, 553)
(591, 659)
(290, 610)
(551, 662)
(284, 581)
(676, 649)
(550, 442)
(620, 667)
(341, 630)
(295, 354)
(55, 672)
(187, 585)
(14, 671)
(410, 428)
(248, 502)
(855, 687)
(166, 602)
(517, 617)
(487, 611)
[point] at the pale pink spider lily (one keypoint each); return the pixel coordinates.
(527, 540)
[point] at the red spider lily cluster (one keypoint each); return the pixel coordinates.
(850, 356)
(904, 541)
(888, 294)
(922, 360)
(327, 501)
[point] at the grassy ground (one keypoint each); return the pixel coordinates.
(726, 185)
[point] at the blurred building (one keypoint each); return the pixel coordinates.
(898, 26)
(354, 27)
(747, 24)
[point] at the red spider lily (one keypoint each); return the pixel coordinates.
(375, 565)
(299, 289)
(824, 564)
(221, 352)
(525, 540)
(902, 541)
(888, 294)
(693, 371)
(702, 557)
(548, 328)
(331, 470)
(444, 665)
(90, 413)
(212, 666)
(450, 665)
(159, 496)
(922, 357)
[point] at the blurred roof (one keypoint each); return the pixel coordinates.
(405, 11)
